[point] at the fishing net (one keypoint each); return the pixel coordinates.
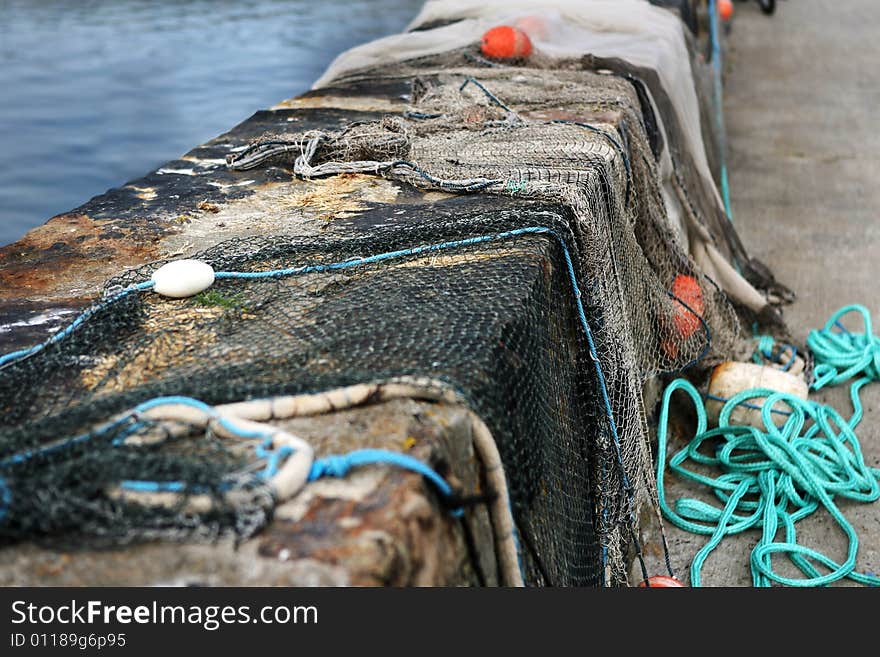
(544, 306)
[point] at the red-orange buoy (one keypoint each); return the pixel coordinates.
(686, 289)
(661, 582)
(725, 9)
(506, 42)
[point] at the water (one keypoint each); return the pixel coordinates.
(94, 93)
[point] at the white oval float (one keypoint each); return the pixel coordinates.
(731, 378)
(182, 278)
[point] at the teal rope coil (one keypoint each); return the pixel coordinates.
(769, 478)
(842, 355)
(773, 477)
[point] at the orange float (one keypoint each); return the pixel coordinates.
(662, 582)
(506, 42)
(687, 291)
(725, 9)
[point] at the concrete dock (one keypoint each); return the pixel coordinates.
(800, 93)
(801, 154)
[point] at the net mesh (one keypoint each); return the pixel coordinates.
(491, 310)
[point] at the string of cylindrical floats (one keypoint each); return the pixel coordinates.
(289, 461)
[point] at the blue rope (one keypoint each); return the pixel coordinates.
(104, 303)
(603, 387)
(715, 38)
(27, 455)
(205, 408)
(382, 257)
(262, 450)
(488, 93)
(5, 500)
(337, 466)
(173, 399)
(273, 457)
(749, 405)
(340, 465)
(764, 352)
(139, 486)
(420, 116)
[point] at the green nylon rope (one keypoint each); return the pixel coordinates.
(774, 477)
(841, 355)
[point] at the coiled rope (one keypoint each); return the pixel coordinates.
(776, 476)
(842, 355)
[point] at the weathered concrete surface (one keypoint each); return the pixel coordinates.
(378, 526)
(801, 92)
(188, 204)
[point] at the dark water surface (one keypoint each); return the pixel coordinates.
(94, 93)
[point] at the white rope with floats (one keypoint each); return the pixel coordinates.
(250, 417)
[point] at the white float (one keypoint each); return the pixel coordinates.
(731, 378)
(182, 278)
